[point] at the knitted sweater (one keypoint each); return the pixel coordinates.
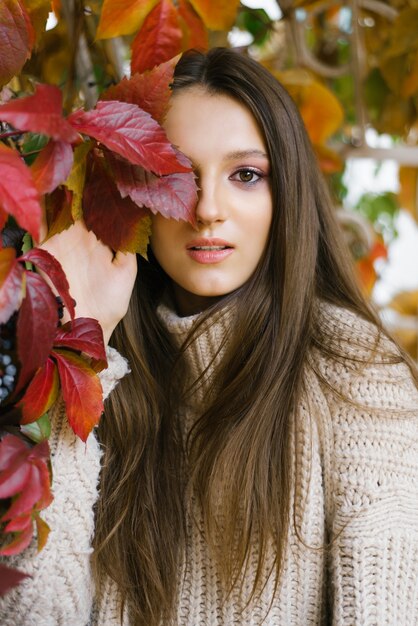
(356, 486)
(60, 591)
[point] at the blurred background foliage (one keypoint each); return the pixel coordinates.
(351, 67)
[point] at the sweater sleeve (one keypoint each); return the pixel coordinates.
(370, 422)
(60, 590)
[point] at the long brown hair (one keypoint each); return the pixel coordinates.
(244, 433)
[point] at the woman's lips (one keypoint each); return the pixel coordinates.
(206, 251)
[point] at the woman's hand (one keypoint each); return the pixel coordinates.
(100, 282)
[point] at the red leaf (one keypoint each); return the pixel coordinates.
(24, 476)
(173, 196)
(14, 472)
(19, 523)
(197, 34)
(17, 37)
(53, 269)
(11, 449)
(131, 132)
(114, 220)
(159, 38)
(40, 113)
(41, 393)
(52, 166)
(81, 390)
(9, 578)
(36, 326)
(28, 497)
(84, 334)
(58, 211)
(19, 543)
(150, 91)
(18, 194)
(36, 493)
(11, 275)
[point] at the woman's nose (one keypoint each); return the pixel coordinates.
(211, 205)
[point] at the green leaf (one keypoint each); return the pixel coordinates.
(33, 143)
(375, 93)
(27, 244)
(39, 430)
(381, 210)
(256, 22)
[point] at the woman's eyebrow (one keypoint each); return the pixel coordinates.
(233, 156)
(242, 154)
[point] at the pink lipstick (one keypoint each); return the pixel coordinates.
(213, 250)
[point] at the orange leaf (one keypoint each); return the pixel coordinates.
(195, 33)
(17, 37)
(329, 160)
(40, 394)
(123, 17)
(408, 194)
(367, 274)
(159, 38)
(216, 14)
(81, 390)
(321, 112)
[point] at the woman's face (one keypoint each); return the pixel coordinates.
(234, 209)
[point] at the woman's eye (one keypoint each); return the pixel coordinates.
(246, 176)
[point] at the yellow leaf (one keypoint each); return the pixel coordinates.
(404, 33)
(410, 81)
(42, 530)
(123, 17)
(405, 303)
(142, 236)
(216, 14)
(408, 338)
(321, 112)
(55, 66)
(393, 71)
(408, 192)
(38, 12)
(76, 178)
(396, 117)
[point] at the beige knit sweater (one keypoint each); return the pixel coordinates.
(357, 483)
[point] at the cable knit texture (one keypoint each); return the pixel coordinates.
(60, 592)
(356, 485)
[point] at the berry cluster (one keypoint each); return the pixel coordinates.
(8, 366)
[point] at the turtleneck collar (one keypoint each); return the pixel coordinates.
(205, 352)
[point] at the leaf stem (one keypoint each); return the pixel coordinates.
(10, 133)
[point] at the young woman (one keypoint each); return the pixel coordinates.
(259, 463)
